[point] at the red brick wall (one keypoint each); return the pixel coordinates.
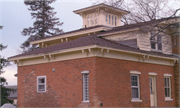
(176, 50)
(109, 83)
(113, 84)
(64, 86)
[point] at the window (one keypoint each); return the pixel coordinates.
(159, 42)
(153, 42)
(135, 87)
(85, 86)
(96, 20)
(89, 20)
(109, 19)
(167, 87)
(167, 82)
(41, 84)
(92, 19)
(115, 21)
(156, 42)
(106, 18)
(112, 20)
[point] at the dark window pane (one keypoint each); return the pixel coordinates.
(166, 92)
(153, 46)
(134, 81)
(167, 81)
(159, 46)
(41, 87)
(153, 43)
(41, 80)
(135, 93)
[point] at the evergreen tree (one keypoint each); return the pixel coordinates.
(44, 25)
(4, 91)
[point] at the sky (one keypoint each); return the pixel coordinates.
(14, 16)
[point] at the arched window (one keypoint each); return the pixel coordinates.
(96, 19)
(92, 19)
(89, 20)
(106, 18)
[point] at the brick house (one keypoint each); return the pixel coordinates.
(102, 64)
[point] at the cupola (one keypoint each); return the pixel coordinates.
(101, 14)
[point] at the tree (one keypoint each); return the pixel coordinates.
(4, 91)
(44, 25)
(141, 10)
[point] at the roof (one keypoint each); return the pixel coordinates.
(98, 6)
(86, 41)
(13, 95)
(138, 25)
(74, 31)
(113, 29)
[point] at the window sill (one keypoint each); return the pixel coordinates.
(168, 99)
(133, 100)
(86, 101)
(41, 91)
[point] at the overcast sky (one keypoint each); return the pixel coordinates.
(14, 16)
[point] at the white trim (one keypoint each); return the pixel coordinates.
(86, 101)
(85, 72)
(168, 75)
(133, 100)
(152, 73)
(168, 99)
(72, 54)
(38, 77)
(135, 72)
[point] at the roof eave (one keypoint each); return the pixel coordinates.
(89, 47)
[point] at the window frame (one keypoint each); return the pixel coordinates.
(155, 40)
(106, 18)
(40, 77)
(85, 73)
(170, 90)
(136, 73)
(135, 87)
(96, 19)
(92, 19)
(89, 20)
